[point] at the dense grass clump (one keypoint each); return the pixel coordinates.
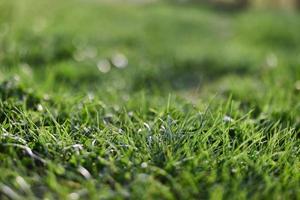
(148, 101)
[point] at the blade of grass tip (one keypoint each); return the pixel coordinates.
(84, 172)
(169, 102)
(228, 105)
(10, 193)
(57, 125)
(87, 118)
(208, 108)
(50, 134)
(23, 184)
(27, 150)
(244, 145)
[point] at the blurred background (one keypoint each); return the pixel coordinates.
(189, 47)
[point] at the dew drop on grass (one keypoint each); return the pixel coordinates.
(272, 60)
(26, 69)
(142, 177)
(40, 108)
(46, 97)
(90, 52)
(22, 183)
(85, 53)
(103, 66)
(144, 165)
(297, 85)
(78, 56)
(91, 96)
(130, 114)
(119, 60)
(94, 142)
(147, 126)
(227, 119)
(84, 172)
(16, 78)
(126, 97)
(77, 147)
(74, 196)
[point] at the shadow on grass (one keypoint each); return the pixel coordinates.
(184, 75)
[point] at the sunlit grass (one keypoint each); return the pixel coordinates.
(148, 101)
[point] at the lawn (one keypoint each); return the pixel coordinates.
(111, 100)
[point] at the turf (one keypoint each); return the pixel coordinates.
(106, 100)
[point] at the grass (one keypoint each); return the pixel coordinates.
(148, 101)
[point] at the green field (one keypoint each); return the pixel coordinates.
(104, 100)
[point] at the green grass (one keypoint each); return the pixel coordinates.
(206, 107)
